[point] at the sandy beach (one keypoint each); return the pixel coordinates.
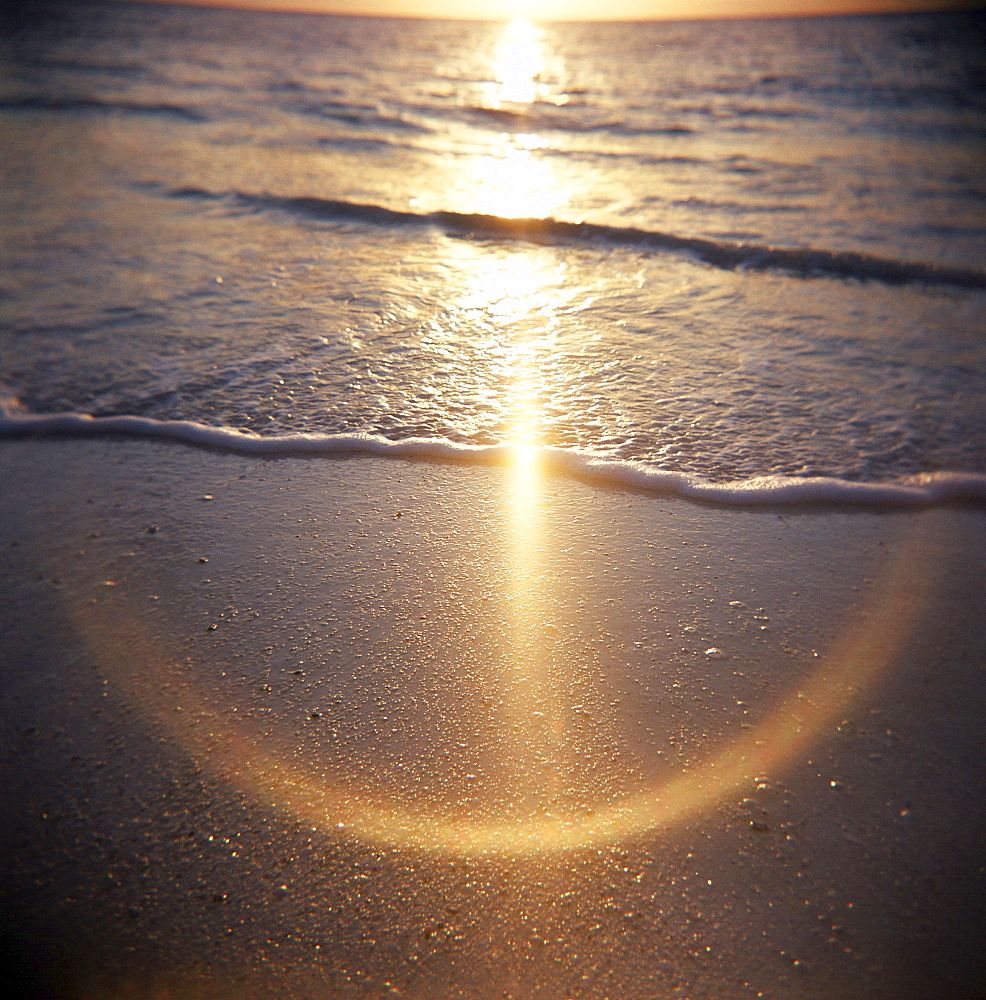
(320, 727)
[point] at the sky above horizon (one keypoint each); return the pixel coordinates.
(592, 9)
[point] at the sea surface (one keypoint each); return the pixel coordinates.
(728, 252)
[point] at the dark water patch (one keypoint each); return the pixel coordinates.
(89, 104)
(735, 207)
(359, 144)
(125, 70)
(359, 115)
(507, 115)
(952, 229)
(642, 159)
(288, 87)
(622, 128)
(544, 116)
(766, 111)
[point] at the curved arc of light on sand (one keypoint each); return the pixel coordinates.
(853, 665)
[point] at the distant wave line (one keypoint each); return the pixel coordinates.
(925, 490)
(35, 103)
(550, 117)
(806, 263)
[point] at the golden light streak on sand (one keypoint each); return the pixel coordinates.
(531, 713)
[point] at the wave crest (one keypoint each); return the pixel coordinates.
(804, 263)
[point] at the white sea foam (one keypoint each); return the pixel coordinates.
(922, 490)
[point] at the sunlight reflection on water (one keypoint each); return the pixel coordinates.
(520, 60)
(514, 182)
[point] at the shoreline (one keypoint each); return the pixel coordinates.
(927, 489)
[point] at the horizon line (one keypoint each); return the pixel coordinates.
(813, 9)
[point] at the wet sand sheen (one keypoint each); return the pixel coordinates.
(289, 727)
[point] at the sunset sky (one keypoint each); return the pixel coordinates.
(593, 9)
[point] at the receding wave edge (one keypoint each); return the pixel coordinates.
(927, 489)
(803, 262)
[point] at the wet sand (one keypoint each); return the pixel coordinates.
(364, 727)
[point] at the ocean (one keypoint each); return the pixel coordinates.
(734, 251)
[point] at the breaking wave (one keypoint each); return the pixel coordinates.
(802, 262)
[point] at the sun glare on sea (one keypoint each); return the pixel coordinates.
(520, 59)
(503, 291)
(514, 179)
(515, 184)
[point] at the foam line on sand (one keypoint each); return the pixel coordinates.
(769, 490)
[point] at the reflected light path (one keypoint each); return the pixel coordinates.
(518, 65)
(510, 289)
(513, 181)
(514, 184)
